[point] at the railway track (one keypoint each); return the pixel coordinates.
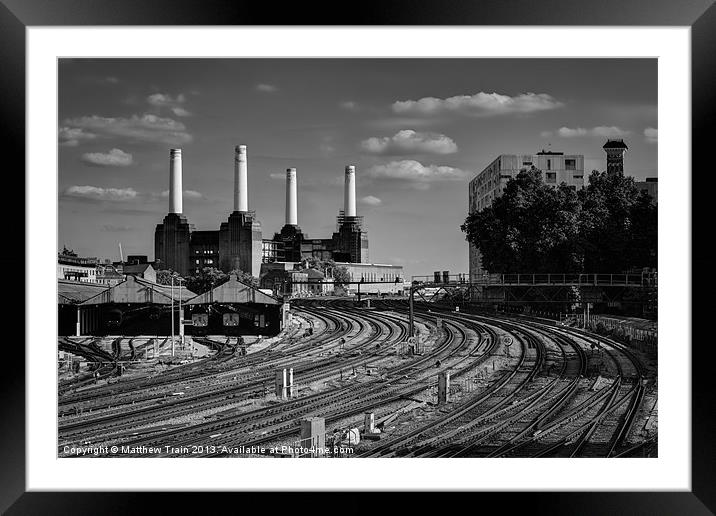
(541, 402)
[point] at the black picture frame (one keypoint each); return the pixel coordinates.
(17, 15)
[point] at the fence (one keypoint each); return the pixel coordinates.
(639, 338)
(642, 279)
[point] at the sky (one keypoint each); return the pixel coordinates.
(417, 130)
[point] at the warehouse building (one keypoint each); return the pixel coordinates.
(234, 308)
(133, 307)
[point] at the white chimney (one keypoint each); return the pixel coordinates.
(175, 187)
(291, 197)
(241, 189)
(349, 197)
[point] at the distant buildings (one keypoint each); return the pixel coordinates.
(90, 270)
(142, 270)
(650, 186)
(72, 267)
(238, 243)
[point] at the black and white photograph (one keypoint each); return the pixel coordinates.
(357, 257)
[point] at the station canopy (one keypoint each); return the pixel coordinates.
(75, 292)
(233, 291)
(138, 290)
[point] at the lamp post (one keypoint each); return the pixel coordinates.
(181, 317)
(172, 318)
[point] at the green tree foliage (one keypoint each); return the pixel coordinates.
(609, 226)
(164, 276)
(618, 225)
(341, 276)
(314, 263)
(244, 277)
(205, 280)
(211, 277)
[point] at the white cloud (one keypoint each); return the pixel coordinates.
(144, 128)
(180, 111)
(266, 88)
(188, 194)
(407, 141)
(102, 194)
(479, 104)
(72, 136)
(651, 134)
(601, 131)
(567, 132)
(112, 228)
(609, 132)
(164, 100)
(371, 200)
(277, 175)
(416, 173)
(349, 105)
(114, 158)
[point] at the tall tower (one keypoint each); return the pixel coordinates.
(172, 236)
(241, 188)
(290, 237)
(291, 197)
(240, 236)
(350, 241)
(615, 150)
(349, 192)
(175, 180)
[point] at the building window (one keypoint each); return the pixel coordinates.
(570, 164)
(549, 164)
(578, 177)
(551, 177)
(528, 163)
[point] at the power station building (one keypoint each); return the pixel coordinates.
(238, 243)
(349, 243)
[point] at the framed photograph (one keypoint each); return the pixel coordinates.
(421, 251)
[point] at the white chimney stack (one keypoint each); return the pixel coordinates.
(291, 197)
(241, 189)
(175, 186)
(349, 197)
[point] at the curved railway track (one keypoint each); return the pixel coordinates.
(540, 402)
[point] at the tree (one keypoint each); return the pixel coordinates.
(210, 277)
(205, 280)
(311, 262)
(341, 276)
(618, 225)
(530, 227)
(245, 277)
(164, 276)
(607, 227)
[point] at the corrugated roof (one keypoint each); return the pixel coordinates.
(136, 269)
(233, 291)
(74, 292)
(138, 290)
